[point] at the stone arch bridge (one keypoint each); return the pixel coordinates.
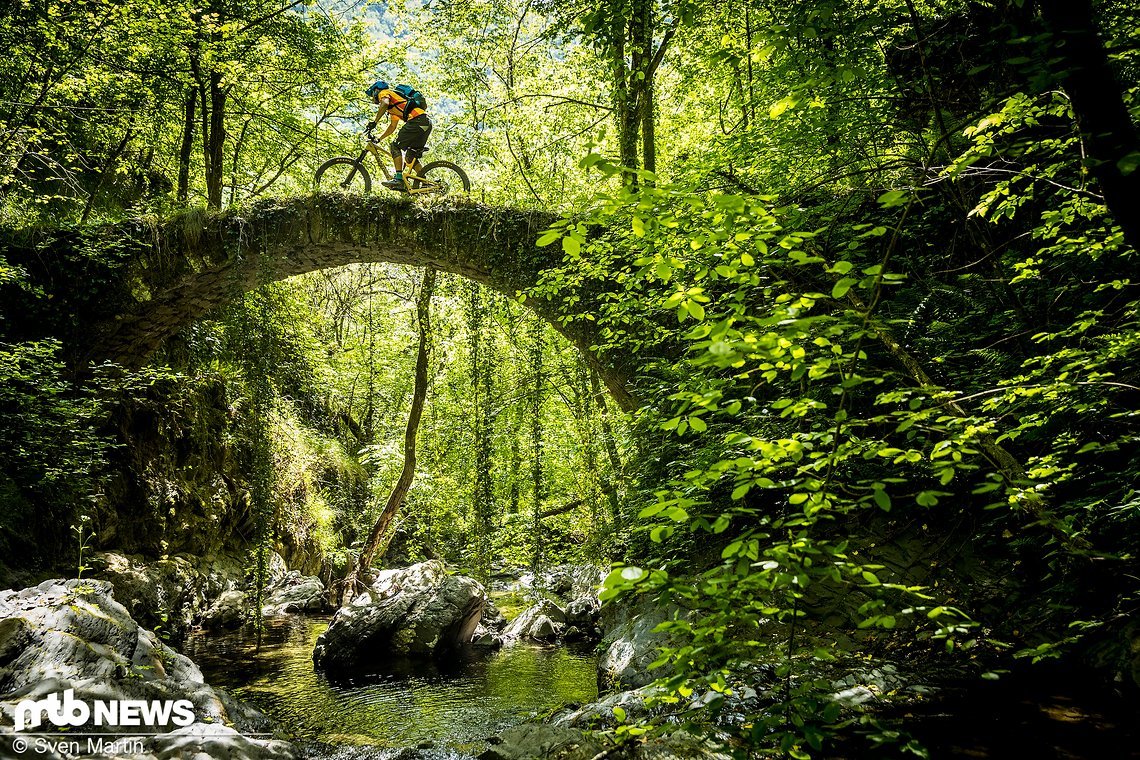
(141, 282)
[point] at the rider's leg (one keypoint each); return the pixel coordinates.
(397, 182)
(413, 162)
(397, 157)
(411, 138)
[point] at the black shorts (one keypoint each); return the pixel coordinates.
(413, 136)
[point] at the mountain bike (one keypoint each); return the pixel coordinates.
(350, 175)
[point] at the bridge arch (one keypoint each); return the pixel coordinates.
(180, 270)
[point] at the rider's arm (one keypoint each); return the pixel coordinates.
(385, 104)
(375, 120)
(389, 130)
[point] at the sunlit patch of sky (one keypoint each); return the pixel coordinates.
(386, 28)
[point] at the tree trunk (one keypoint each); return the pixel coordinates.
(625, 113)
(214, 142)
(484, 493)
(1109, 136)
(536, 441)
(108, 170)
(187, 149)
(234, 161)
(608, 442)
(640, 51)
(377, 542)
(648, 130)
(750, 99)
(646, 111)
(482, 382)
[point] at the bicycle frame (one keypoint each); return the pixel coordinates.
(410, 175)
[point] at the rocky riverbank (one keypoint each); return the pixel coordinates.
(74, 636)
(70, 640)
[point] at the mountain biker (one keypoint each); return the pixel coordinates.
(412, 136)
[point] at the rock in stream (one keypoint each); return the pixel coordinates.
(70, 637)
(417, 611)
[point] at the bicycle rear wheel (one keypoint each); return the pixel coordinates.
(343, 173)
(446, 179)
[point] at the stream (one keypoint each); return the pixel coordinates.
(402, 704)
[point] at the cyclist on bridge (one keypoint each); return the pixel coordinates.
(412, 137)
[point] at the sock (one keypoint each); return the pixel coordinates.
(399, 175)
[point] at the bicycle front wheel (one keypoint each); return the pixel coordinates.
(343, 173)
(443, 178)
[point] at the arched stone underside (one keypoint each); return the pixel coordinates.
(182, 270)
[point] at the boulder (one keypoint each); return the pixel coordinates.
(228, 611)
(559, 582)
(572, 581)
(536, 741)
(485, 638)
(629, 643)
(73, 636)
(294, 592)
(412, 579)
(212, 741)
(542, 622)
(531, 741)
(584, 612)
(600, 714)
(493, 617)
(171, 593)
(419, 611)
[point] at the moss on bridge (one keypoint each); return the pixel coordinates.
(118, 291)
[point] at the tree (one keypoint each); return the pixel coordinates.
(376, 543)
(1107, 129)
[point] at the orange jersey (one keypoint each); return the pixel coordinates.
(398, 104)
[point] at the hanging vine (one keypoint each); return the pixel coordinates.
(536, 433)
(482, 369)
(257, 357)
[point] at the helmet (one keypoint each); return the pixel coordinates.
(375, 88)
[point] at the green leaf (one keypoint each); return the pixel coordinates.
(842, 287)
(548, 237)
(893, 198)
(1129, 163)
(927, 498)
(780, 106)
(571, 245)
(651, 510)
(632, 573)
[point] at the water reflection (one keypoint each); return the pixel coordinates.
(399, 703)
